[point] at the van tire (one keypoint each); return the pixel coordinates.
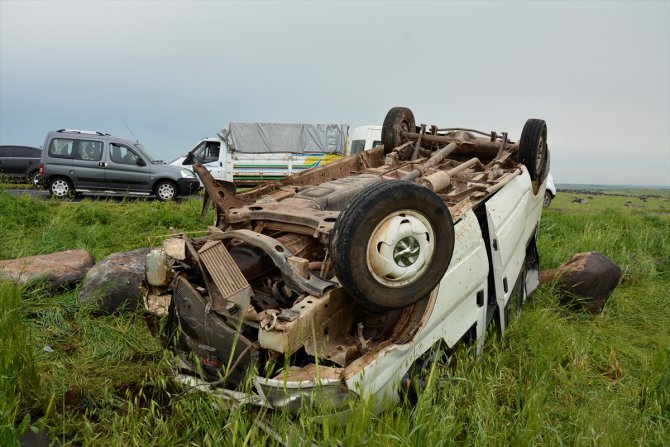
(165, 190)
(533, 150)
(392, 244)
(398, 120)
(61, 188)
(547, 199)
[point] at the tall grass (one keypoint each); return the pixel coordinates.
(18, 375)
(557, 378)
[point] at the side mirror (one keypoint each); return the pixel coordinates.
(140, 162)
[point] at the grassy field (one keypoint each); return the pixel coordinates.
(557, 378)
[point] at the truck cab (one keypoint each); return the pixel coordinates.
(208, 153)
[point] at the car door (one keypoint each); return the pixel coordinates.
(88, 167)
(8, 162)
(28, 159)
(122, 171)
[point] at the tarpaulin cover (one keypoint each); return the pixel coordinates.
(261, 138)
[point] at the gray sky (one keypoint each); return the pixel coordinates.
(597, 72)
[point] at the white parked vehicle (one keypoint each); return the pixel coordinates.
(550, 191)
(248, 154)
(363, 138)
(339, 280)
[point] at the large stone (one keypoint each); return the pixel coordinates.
(114, 281)
(586, 280)
(60, 269)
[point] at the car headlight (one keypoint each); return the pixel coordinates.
(185, 173)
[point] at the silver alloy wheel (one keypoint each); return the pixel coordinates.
(166, 191)
(400, 248)
(37, 180)
(60, 188)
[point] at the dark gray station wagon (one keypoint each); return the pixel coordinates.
(77, 161)
(20, 162)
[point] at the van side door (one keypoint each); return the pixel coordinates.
(123, 173)
(88, 167)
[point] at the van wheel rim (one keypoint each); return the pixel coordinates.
(166, 191)
(400, 248)
(60, 188)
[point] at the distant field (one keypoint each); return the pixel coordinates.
(616, 200)
(618, 190)
(558, 377)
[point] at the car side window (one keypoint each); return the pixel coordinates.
(26, 152)
(122, 154)
(7, 151)
(61, 147)
(89, 150)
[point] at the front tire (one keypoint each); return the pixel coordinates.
(61, 188)
(547, 199)
(392, 245)
(166, 191)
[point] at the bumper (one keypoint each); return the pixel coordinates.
(331, 397)
(188, 186)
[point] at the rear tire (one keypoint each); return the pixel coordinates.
(36, 179)
(61, 188)
(398, 120)
(533, 150)
(165, 191)
(547, 199)
(392, 245)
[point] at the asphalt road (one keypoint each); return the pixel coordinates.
(31, 192)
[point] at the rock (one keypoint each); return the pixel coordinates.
(586, 280)
(60, 269)
(114, 281)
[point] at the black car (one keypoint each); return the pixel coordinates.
(20, 162)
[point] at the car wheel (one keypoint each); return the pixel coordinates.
(36, 180)
(398, 120)
(166, 190)
(533, 151)
(61, 188)
(547, 199)
(392, 244)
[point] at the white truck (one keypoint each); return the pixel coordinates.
(250, 153)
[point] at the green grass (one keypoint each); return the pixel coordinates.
(557, 378)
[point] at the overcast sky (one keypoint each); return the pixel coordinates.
(597, 72)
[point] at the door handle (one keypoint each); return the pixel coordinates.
(102, 164)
